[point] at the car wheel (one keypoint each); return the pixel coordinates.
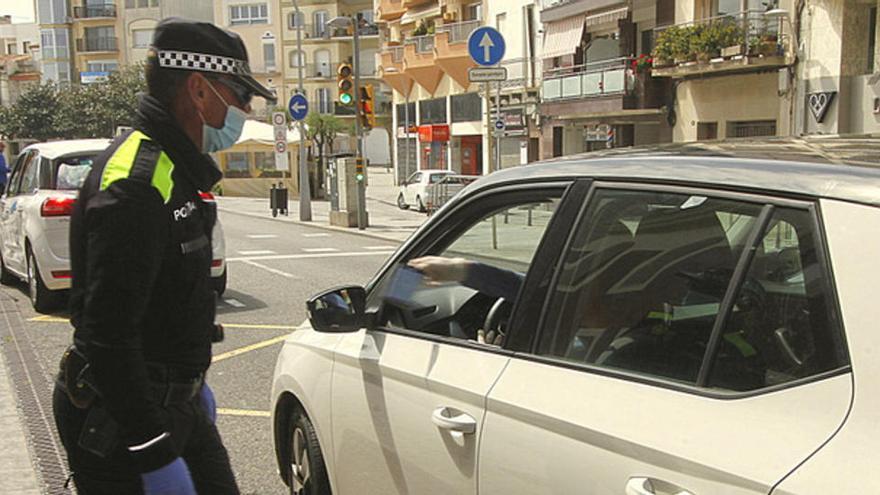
(220, 282)
(42, 299)
(401, 202)
(308, 474)
(6, 277)
(420, 204)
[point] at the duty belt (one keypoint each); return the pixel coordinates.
(173, 385)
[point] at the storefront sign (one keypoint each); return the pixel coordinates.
(433, 133)
(819, 103)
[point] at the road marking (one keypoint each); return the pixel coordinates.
(49, 319)
(379, 248)
(321, 250)
(55, 319)
(266, 327)
(222, 411)
(255, 253)
(309, 256)
(262, 236)
(269, 269)
(249, 348)
(316, 235)
(234, 303)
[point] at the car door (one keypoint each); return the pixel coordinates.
(690, 345)
(26, 202)
(12, 253)
(408, 395)
(410, 186)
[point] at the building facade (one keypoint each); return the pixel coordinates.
(19, 58)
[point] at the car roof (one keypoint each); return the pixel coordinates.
(55, 149)
(838, 168)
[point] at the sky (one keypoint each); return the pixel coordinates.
(20, 10)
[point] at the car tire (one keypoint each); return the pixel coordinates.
(307, 474)
(42, 299)
(219, 283)
(420, 204)
(6, 277)
(401, 202)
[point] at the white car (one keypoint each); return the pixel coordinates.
(35, 219)
(661, 323)
(416, 191)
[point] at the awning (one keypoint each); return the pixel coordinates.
(607, 16)
(563, 37)
(426, 12)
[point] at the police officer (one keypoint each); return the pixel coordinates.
(131, 405)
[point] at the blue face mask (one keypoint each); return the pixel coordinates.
(214, 139)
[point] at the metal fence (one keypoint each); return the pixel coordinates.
(424, 44)
(89, 11)
(459, 31)
(104, 44)
(601, 78)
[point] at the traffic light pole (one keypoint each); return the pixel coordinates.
(356, 67)
(305, 199)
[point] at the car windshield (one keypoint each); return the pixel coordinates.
(72, 171)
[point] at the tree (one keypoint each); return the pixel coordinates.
(322, 129)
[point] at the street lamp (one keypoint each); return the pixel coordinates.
(344, 22)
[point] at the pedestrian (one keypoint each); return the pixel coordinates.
(4, 170)
(131, 406)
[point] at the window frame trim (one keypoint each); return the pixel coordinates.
(809, 205)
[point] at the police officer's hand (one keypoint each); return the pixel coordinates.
(171, 479)
(209, 404)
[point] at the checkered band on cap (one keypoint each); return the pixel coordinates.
(203, 62)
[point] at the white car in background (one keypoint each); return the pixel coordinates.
(416, 191)
(35, 219)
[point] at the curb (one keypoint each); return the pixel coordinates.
(334, 228)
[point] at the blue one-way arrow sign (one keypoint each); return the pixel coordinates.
(298, 107)
(486, 45)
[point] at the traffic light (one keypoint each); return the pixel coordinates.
(359, 169)
(345, 84)
(366, 112)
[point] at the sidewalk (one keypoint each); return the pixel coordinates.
(386, 220)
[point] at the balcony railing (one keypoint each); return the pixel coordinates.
(424, 44)
(107, 44)
(521, 72)
(90, 11)
(396, 53)
(459, 31)
(606, 77)
(324, 31)
(709, 43)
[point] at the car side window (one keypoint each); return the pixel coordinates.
(29, 178)
(17, 172)
(415, 178)
(496, 248)
(643, 280)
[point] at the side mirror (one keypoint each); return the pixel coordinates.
(338, 310)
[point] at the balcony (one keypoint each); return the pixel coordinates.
(95, 11)
(391, 10)
(106, 44)
(450, 46)
(391, 69)
(744, 42)
(603, 87)
(323, 32)
(415, 3)
(419, 62)
(521, 73)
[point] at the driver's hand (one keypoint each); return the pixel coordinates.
(491, 338)
(438, 269)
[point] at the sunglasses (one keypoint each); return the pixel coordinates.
(242, 92)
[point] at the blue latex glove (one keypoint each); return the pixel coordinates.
(209, 404)
(170, 479)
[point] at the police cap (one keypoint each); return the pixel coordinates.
(203, 47)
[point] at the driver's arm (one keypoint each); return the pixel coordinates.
(487, 279)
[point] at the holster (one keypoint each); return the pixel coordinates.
(75, 378)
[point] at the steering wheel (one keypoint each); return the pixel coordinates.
(495, 314)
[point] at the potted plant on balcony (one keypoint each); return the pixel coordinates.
(421, 29)
(730, 37)
(706, 43)
(663, 47)
(684, 44)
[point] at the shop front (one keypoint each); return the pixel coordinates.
(433, 146)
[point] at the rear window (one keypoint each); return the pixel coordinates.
(436, 178)
(71, 171)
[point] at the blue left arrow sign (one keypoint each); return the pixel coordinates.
(298, 107)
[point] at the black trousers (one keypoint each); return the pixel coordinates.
(191, 430)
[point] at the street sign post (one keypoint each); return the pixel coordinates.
(486, 45)
(487, 74)
(298, 107)
(279, 128)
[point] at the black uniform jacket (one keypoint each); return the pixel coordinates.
(140, 240)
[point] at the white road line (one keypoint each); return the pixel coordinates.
(262, 236)
(269, 269)
(308, 256)
(379, 248)
(256, 253)
(321, 250)
(316, 235)
(234, 303)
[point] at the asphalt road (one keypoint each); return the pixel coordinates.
(273, 268)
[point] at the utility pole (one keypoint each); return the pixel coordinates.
(305, 199)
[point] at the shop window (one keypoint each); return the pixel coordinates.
(402, 113)
(264, 162)
(751, 128)
(432, 111)
(466, 107)
(237, 165)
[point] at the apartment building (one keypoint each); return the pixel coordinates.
(138, 19)
(19, 58)
(323, 48)
(56, 45)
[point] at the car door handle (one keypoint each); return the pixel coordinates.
(454, 420)
(640, 485)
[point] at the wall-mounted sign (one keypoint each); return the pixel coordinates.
(93, 77)
(433, 133)
(819, 103)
